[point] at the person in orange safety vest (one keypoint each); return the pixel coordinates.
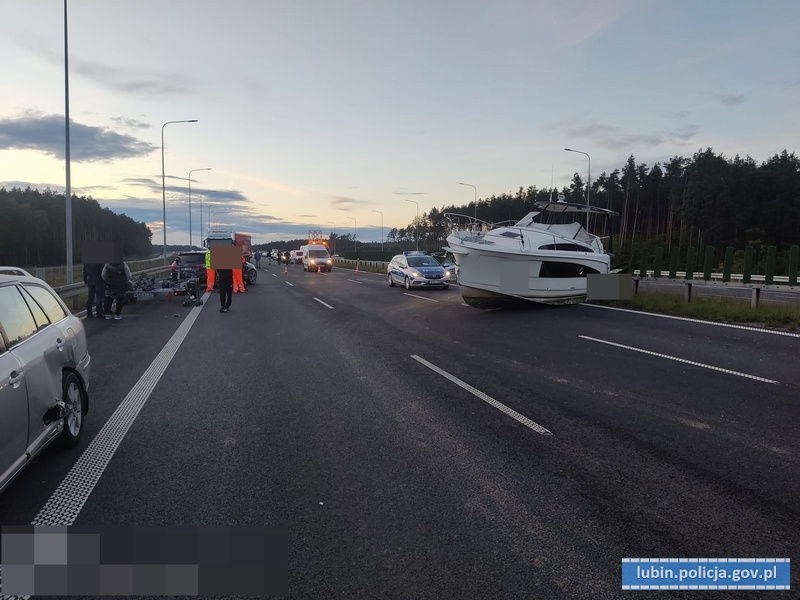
(209, 273)
(238, 278)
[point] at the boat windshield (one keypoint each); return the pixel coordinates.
(422, 261)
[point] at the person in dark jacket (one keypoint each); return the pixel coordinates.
(93, 278)
(117, 277)
(225, 284)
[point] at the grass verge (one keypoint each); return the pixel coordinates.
(728, 310)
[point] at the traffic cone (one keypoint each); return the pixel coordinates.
(319, 269)
(286, 270)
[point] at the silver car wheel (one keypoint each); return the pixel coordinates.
(391, 281)
(408, 283)
(73, 400)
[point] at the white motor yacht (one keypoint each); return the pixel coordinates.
(530, 259)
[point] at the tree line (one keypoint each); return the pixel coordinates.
(705, 200)
(33, 228)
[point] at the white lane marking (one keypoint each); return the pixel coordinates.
(67, 501)
(732, 325)
(682, 360)
(323, 303)
(289, 284)
(420, 297)
(464, 304)
(354, 281)
(488, 399)
(274, 275)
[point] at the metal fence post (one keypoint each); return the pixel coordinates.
(674, 255)
(708, 263)
(727, 265)
(748, 265)
(657, 262)
(643, 266)
(794, 255)
(690, 263)
(770, 274)
(637, 254)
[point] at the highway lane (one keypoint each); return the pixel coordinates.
(393, 480)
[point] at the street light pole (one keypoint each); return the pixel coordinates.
(68, 192)
(416, 221)
(219, 212)
(163, 182)
(355, 232)
(476, 200)
(190, 206)
(377, 211)
(334, 236)
(589, 184)
(202, 196)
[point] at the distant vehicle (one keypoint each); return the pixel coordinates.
(315, 257)
(416, 269)
(297, 257)
(226, 237)
(44, 373)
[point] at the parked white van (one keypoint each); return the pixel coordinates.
(316, 257)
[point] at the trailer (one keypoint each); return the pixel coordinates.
(148, 287)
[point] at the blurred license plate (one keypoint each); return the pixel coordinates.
(145, 294)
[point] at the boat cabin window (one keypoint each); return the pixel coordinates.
(568, 247)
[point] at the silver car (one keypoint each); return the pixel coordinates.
(44, 373)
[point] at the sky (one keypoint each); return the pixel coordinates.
(352, 116)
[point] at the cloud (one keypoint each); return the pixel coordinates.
(729, 99)
(345, 203)
(45, 133)
(307, 216)
(678, 114)
(130, 123)
(613, 137)
(684, 135)
(119, 79)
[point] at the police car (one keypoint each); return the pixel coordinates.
(416, 269)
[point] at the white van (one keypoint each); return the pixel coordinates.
(297, 257)
(316, 257)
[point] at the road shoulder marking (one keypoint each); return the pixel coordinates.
(68, 500)
(486, 398)
(677, 318)
(681, 360)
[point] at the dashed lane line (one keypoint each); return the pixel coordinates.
(420, 297)
(486, 398)
(681, 360)
(323, 303)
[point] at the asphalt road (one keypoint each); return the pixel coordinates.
(416, 447)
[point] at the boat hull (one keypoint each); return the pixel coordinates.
(488, 279)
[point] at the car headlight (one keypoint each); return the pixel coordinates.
(447, 273)
(312, 261)
(328, 261)
(414, 274)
